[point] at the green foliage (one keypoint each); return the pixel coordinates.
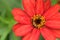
(6, 18)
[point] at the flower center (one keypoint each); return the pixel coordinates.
(38, 21)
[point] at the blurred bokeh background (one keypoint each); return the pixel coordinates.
(6, 18)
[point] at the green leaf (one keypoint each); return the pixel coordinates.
(58, 39)
(41, 37)
(13, 37)
(53, 2)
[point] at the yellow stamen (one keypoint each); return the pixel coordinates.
(38, 21)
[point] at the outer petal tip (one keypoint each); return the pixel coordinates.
(20, 16)
(21, 30)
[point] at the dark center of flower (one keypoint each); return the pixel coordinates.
(38, 21)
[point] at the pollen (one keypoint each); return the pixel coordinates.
(38, 21)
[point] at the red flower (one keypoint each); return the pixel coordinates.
(37, 18)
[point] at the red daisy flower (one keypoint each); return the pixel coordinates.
(36, 18)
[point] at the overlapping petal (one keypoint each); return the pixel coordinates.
(56, 17)
(53, 24)
(52, 11)
(35, 6)
(47, 4)
(42, 6)
(29, 7)
(47, 34)
(20, 16)
(56, 33)
(34, 35)
(21, 30)
(39, 7)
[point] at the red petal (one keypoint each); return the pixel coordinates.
(29, 6)
(21, 30)
(15, 27)
(39, 6)
(53, 24)
(56, 17)
(56, 33)
(47, 4)
(53, 10)
(26, 37)
(47, 34)
(20, 16)
(32, 36)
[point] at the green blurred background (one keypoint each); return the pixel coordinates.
(6, 18)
